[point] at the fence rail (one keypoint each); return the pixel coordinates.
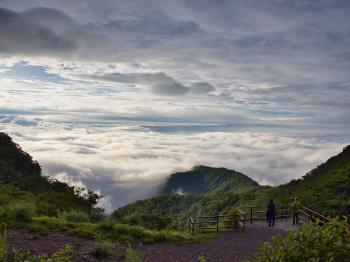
(215, 223)
(238, 219)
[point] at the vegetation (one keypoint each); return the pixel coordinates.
(132, 255)
(66, 254)
(35, 203)
(21, 181)
(203, 180)
(330, 242)
(210, 191)
(3, 243)
(103, 248)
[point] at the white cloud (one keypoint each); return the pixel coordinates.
(127, 163)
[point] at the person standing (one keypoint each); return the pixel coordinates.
(271, 213)
(296, 207)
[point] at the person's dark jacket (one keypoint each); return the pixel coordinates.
(271, 210)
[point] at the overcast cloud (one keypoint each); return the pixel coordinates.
(206, 76)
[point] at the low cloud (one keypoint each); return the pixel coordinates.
(128, 163)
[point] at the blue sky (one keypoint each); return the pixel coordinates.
(213, 80)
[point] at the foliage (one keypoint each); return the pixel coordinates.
(132, 255)
(3, 242)
(22, 211)
(330, 242)
(103, 248)
(203, 180)
(65, 254)
(21, 181)
(210, 191)
(201, 259)
(75, 216)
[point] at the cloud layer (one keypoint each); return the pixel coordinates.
(127, 163)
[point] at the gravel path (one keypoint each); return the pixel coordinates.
(228, 247)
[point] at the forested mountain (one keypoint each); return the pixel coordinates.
(209, 191)
(325, 188)
(203, 180)
(21, 180)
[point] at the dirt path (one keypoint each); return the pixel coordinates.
(228, 247)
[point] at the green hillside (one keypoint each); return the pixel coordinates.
(209, 191)
(325, 188)
(21, 180)
(203, 180)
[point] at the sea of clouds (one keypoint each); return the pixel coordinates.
(131, 162)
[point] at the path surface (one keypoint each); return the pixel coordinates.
(228, 247)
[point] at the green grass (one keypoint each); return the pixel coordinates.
(110, 231)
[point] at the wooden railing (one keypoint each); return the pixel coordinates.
(238, 219)
(258, 213)
(309, 216)
(215, 223)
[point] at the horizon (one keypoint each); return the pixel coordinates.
(116, 96)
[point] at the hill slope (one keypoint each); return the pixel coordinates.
(325, 188)
(21, 180)
(203, 180)
(212, 191)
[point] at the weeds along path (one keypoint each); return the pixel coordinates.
(228, 247)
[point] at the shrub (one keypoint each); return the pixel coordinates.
(132, 255)
(75, 216)
(38, 229)
(103, 249)
(3, 243)
(330, 242)
(22, 212)
(65, 254)
(85, 231)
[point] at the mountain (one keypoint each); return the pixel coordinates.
(21, 180)
(208, 191)
(204, 180)
(325, 188)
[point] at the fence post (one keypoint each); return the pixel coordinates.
(251, 215)
(217, 224)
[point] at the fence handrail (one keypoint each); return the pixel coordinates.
(216, 222)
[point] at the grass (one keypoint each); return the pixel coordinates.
(110, 231)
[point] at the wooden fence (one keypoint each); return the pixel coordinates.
(238, 219)
(216, 223)
(258, 213)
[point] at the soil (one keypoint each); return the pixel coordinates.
(228, 247)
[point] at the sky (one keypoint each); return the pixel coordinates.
(117, 95)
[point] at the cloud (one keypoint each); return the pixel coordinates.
(28, 33)
(160, 83)
(202, 88)
(128, 163)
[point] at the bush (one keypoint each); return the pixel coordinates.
(75, 216)
(66, 254)
(3, 243)
(38, 229)
(132, 255)
(103, 249)
(19, 212)
(330, 242)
